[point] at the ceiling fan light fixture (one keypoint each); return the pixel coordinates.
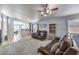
(42, 12)
(47, 11)
(45, 15)
(50, 13)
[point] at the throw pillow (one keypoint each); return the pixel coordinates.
(54, 47)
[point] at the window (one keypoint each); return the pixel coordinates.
(73, 26)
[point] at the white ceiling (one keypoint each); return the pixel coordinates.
(28, 12)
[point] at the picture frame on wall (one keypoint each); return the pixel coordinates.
(43, 25)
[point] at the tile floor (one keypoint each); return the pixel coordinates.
(25, 46)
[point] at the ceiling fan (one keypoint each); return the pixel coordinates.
(45, 10)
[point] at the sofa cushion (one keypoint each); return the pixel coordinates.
(38, 33)
(43, 51)
(71, 51)
(59, 52)
(42, 34)
(64, 45)
(54, 47)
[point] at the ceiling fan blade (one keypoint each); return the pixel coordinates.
(54, 9)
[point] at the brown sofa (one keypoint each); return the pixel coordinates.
(40, 35)
(64, 47)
